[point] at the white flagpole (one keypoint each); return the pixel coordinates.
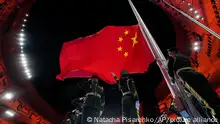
(154, 48)
(195, 21)
(175, 90)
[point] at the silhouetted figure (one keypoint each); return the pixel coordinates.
(89, 107)
(181, 66)
(129, 98)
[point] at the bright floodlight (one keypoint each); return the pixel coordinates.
(24, 61)
(26, 14)
(29, 76)
(191, 9)
(196, 48)
(21, 39)
(197, 16)
(8, 96)
(21, 43)
(189, 4)
(22, 55)
(27, 71)
(9, 113)
(25, 64)
(21, 34)
(202, 18)
(196, 43)
(21, 47)
(22, 30)
(195, 12)
(23, 25)
(25, 20)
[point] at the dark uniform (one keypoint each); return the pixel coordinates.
(181, 66)
(129, 98)
(89, 107)
(93, 103)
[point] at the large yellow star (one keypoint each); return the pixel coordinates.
(126, 32)
(126, 54)
(120, 39)
(119, 48)
(134, 39)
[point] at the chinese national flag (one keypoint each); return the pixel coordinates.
(113, 49)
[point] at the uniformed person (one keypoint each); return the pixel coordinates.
(129, 98)
(181, 66)
(90, 106)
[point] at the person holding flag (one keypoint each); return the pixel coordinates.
(129, 98)
(113, 49)
(181, 66)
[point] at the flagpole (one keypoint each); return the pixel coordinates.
(177, 90)
(195, 21)
(156, 51)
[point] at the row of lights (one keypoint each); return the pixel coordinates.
(22, 55)
(197, 16)
(8, 96)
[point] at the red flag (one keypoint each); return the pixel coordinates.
(113, 49)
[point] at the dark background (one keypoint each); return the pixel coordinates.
(53, 22)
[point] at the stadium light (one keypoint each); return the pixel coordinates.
(25, 20)
(8, 96)
(9, 113)
(26, 15)
(21, 39)
(21, 43)
(196, 43)
(22, 54)
(197, 16)
(195, 48)
(22, 34)
(23, 58)
(27, 71)
(23, 25)
(29, 76)
(195, 11)
(24, 62)
(191, 9)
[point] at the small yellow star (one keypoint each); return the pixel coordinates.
(119, 48)
(134, 39)
(120, 39)
(126, 54)
(126, 32)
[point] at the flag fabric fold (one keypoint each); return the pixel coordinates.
(113, 49)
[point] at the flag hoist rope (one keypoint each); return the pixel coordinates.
(176, 90)
(195, 21)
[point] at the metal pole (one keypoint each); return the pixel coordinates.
(152, 44)
(160, 61)
(195, 21)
